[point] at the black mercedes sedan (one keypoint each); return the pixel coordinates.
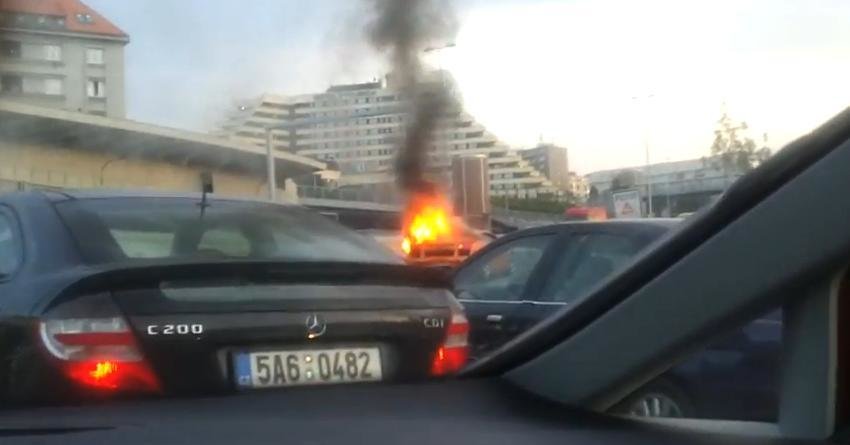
(105, 293)
(529, 275)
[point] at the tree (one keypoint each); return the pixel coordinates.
(624, 179)
(732, 150)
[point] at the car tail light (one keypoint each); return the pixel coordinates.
(98, 352)
(452, 355)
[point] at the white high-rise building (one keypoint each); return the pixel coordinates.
(365, 147)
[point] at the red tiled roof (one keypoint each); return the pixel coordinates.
(68, 9)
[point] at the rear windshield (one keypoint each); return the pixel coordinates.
(127, 229)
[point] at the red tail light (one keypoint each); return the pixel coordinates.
(97, 352)
(452, 355)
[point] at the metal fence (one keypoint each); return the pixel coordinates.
(344, 194)
(7, 186)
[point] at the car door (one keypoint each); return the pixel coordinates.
(744, 363)
(493, 285)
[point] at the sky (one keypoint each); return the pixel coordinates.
(604, 78)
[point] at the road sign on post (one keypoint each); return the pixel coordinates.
(626, 204)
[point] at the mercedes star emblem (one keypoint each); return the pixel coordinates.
(316, 326)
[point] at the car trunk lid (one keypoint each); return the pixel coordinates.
(192, 320)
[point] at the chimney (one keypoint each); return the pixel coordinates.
(471, 186)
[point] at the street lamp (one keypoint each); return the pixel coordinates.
(271, 179)
(106, 164)
(647, 172)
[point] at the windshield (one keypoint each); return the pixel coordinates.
(121, 230)
(399, 188)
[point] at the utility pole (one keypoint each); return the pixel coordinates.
(271, 175)
(647, 173)
(271, 178)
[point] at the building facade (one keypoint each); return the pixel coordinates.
(551, 160)
(364, 148)
(577, 186)
(61, 54)
(675, 187)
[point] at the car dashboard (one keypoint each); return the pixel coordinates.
(484, 411)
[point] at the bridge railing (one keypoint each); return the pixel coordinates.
(342, 194)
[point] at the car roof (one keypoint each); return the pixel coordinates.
(665, 223)
(70, 194)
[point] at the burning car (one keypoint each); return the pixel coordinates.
(433, 236)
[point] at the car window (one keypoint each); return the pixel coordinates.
(143, 243)
(585, 261)
(127, 229)
(432, 123)
(227, 241)
(502, 273)
(10, 247)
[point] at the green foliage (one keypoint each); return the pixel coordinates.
(624, 179)
(732, 150)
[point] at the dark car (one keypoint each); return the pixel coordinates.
(524, 277)
(104, 293)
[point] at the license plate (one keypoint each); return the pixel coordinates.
(307, 367)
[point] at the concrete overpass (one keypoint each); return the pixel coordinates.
(48, 148)
(57, 148)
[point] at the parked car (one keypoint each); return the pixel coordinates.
(105, 293)
(522, 278)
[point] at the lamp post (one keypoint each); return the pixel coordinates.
(106, 164)
(271, 175)
(271, 178)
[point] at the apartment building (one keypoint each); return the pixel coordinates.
(61, 54)
(366, 122)
(551, 160)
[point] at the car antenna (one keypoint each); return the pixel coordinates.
(206, 187)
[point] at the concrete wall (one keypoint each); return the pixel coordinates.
(43, 165)
(72, 69)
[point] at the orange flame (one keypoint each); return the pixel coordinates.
(429, 224)
(428, 219)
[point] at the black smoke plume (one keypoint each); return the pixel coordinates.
(404, 29)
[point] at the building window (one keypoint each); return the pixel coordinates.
(53, 87)
(10, 83)
(96, 88)
(10, 48)
(94, 56)
(85, 18)
(33, 85)
(53, 53)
